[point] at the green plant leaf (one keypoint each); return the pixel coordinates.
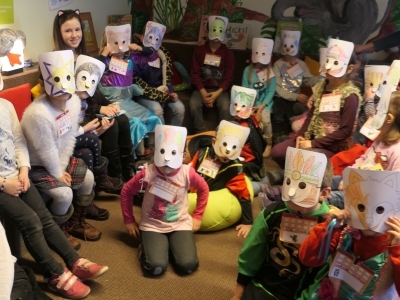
(138, 22)
(224, 13)
(237, 17)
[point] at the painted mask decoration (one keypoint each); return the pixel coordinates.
(338, 57)
(373, 77)
(230, 139)
(217, 27)
(304, 172)
(290, 41)
(118, 37)
(57, 69)
(371, 197)
(153, 35)
(169, 146)
(88, 72)
(262, 50)
(322, 59)
(242, 101)
(385, 90)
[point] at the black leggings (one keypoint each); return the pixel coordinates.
(87, 147)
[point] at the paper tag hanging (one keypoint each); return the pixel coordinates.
(330, 102)
(357, 276)
(212, 60)
(294, 71)
(164, 188)
(64, 123)
(294, 229)
(209, 168)
(118, 65)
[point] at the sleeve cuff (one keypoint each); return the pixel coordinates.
(243, 279)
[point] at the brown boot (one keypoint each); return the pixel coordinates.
(267, 150)
(62, 222)
(77, 224)
(104, 182)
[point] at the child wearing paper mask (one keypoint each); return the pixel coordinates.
(290, 73)
(153, 75)
(21, 202)
(165, 225)
(226, 147)
(269, 267)
(212, 74)
(260, 76)
(366, 245)
(332, 120)
(50, 124)
(251, 154)
(88, 72)
(118, 54)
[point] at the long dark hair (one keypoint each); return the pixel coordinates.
(61, 17)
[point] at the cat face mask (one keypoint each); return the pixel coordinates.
(153, 35)
(57, 68)
(304, 172)
(118, 37)
(242, 101)
(337, 57)
(88, 72)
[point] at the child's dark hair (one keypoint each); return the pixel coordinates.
(392, 136)
(61, 17)
(327, 180)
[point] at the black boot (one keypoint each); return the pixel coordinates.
(104, 182)
(114, 164)
(127, 162)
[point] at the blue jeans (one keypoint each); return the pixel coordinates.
(336, 197)
(38, 230)
(157, 246)
(177, 108)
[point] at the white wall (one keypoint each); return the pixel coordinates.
(35, 19)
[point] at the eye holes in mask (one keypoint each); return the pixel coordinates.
(380, 210)
(361, 207)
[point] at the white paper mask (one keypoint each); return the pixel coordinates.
(262, 50)
(338, 57)
(242, 101)
(373, 77)
(390, 77)
(371, 197)
(217, 27)
(57, 69)
(169, 146)
(118, 37)
(88, 72)
(322, 59)
(153, 35)
(290, 41)
(230, 139)
(12, 44)
(304, 172)
(385, 90)
(1, 81)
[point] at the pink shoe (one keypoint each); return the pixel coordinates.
(84, 269)
(68, 285)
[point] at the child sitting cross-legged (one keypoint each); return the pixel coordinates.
(269, 267)
(364, 261)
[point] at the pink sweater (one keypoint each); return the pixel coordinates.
(155, 214)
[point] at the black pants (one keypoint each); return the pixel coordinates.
(252, 292)
(283, 110)
(25, 286)
(119, 134)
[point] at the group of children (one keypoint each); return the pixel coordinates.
(284, 256)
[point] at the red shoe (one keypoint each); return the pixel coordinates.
(68, 285)
(86, 270)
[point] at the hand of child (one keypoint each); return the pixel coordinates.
(243, 230)
(92, 125)
(174, 97)
(163, 88)
(394, 231)
(305, 144)
(110, 110)
(105, 124)
(310, 102)
(24, 179)
(298, 140)
(302, 98)
(196, 225)
(106, 51)
(135, 47)
(340, 186)
(133, 229)
(339, 214)
(66, 178)
(13, 187)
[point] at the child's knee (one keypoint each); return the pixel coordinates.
(154, 268)
(187, 266)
